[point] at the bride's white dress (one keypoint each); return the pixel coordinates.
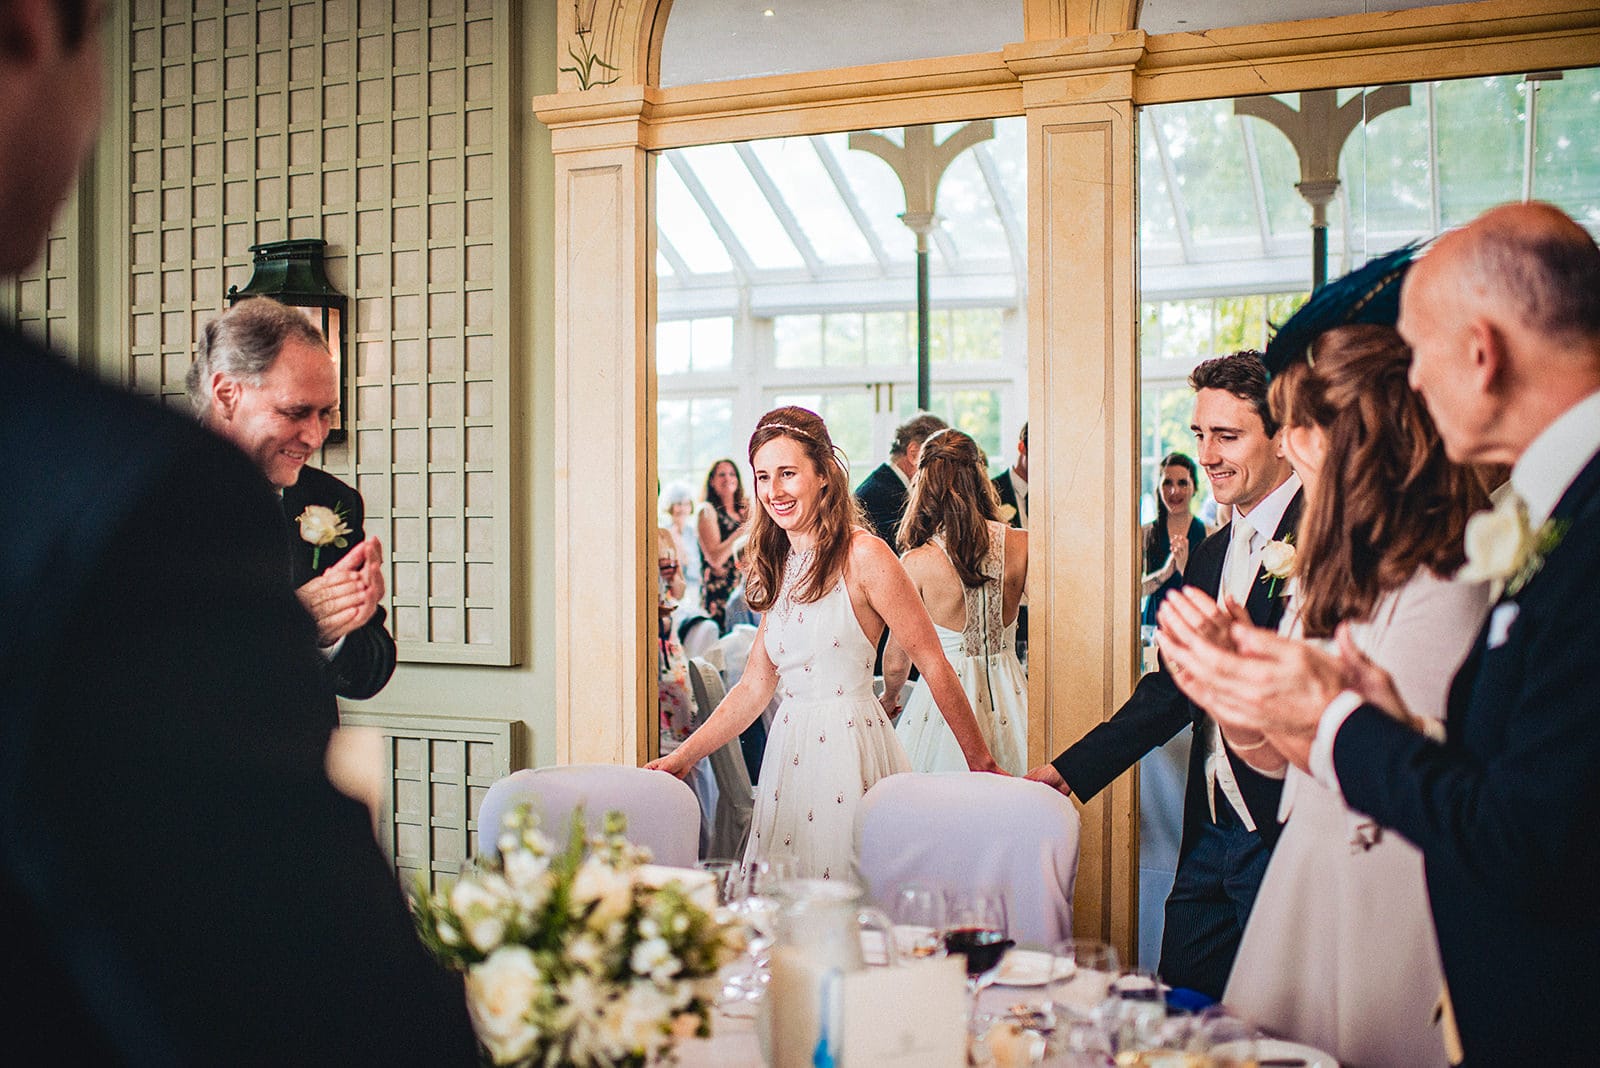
(830, 739)
(983, 654)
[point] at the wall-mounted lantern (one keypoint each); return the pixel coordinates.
(291, 272)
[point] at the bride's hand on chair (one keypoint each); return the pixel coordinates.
(670, 766)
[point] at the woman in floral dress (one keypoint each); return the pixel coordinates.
(826, 588)
(722, 523)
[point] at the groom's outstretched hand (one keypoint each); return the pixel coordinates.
(1047, 774)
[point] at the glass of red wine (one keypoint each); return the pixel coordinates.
(976, 928)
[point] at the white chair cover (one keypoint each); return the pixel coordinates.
(732, 803)
(700, 637)
(662, 812)
(964, 831)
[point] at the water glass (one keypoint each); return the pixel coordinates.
(919, 919)
(724, 871)
(1094, 964)
(752, 900)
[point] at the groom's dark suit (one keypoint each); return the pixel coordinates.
(366, 660)
(179, 882)
(1203, 927)
(1507, 810)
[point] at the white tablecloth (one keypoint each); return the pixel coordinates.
(733, 1041)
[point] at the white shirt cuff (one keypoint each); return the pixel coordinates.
(1333, 718)
(331, 651)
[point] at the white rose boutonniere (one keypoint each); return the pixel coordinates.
(1504, 550)
(320, 527)
(1277, 560)
(1008, 512)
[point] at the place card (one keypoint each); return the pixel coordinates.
(911, 1016)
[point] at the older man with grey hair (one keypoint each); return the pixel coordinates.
(265, 381)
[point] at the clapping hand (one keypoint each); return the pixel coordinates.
(1180, 555)
(345, 597)
(1249, 680)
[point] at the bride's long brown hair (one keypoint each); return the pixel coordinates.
(952, 493)
(1387, 500)
(837, 514)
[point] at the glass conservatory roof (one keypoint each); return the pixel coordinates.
(808, 223)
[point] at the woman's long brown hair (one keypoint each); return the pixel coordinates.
(952, 494)
(837, 514)
(1387, 500)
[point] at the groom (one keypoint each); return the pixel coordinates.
(1230, 811)
(1503, 318)
(265, 381)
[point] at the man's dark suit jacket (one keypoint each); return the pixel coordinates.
(180, 884)
(366, 660)
(1157, 710)
(883, 498)
(1008, 495)
(1507, 810)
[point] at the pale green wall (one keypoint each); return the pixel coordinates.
(527, 690)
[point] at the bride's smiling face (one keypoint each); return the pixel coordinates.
(788, 485)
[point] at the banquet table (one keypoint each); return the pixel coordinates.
(733, 1042)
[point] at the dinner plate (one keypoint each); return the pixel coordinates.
(1029, 967)
(1281, 1054)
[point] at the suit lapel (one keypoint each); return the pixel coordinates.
(1266, 601)
(1580, 497)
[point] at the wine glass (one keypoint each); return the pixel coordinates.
(919, 919)
(976, 928)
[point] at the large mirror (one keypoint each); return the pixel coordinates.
(787, 272)
(1228, 201)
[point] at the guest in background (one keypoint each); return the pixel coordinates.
(677, 505)
(1503, 318)
(883, 493)
(969, 569)
(1340, 950)
(722, 522)
(1174, 531)
(264, 380)
(672, 679)
(1011, 486)
(181, 883)
(826, 589)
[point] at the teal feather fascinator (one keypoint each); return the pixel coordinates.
(1368, 294)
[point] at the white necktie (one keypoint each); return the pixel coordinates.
(1236, 583)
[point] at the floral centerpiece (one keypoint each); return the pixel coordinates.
(588, 957)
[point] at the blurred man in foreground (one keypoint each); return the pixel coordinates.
(180, 883)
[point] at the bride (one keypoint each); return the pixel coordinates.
(826, 588)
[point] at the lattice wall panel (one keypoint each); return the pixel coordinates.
(43, 300)
(438, 770)
(383, 127)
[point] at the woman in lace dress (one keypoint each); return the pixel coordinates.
(969, 570)
(826, 588)
(1340, 950)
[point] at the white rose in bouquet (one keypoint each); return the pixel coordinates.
(608, 890)
(500, 993)
(484, 907)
